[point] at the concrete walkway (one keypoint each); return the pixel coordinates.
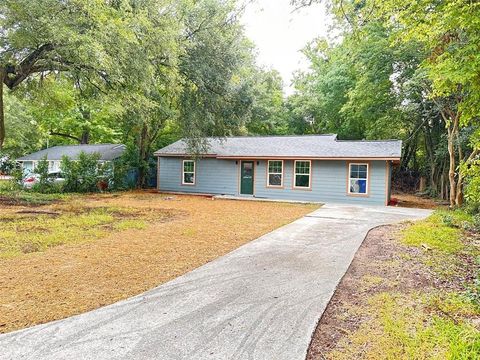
(261, 301)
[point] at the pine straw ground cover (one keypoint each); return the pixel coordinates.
(75, 255)
(412, 292)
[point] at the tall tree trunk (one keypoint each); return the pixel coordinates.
(451, 170)
(142, 154)
(431, 156)
(442, 187)
(459, 193)
(451, 119)
(86, 116)
(85, 138)
(2, 110)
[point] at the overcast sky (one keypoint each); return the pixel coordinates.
(279, 34)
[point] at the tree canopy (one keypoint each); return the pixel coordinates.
(407, 69)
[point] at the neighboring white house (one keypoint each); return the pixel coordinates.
(107, 152)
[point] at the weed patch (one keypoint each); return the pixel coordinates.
(29, 198)
(433, 233)
(69, 223)
(400, 326)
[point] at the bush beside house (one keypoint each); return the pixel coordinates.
(83, 175)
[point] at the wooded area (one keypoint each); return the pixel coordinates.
(145, 73)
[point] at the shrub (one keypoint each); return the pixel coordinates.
(85, 174)
(472, 187)
(42, 171)
(7, 165)
(45, 185)
(16, 183)
(448, 220)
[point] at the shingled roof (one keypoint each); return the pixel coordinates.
(107, 152)
(298, 146)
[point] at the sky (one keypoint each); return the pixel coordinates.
(279, 34)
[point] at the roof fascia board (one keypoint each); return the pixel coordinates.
(391, 158)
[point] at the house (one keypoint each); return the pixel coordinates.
(317, 168)
(107, 152)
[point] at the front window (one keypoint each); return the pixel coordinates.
(188, 175)
(358, 179)
(302, 173)
(275, 173)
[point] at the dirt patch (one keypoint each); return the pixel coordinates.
(64, 280)
(417, 201)
(11, 201)
(38, 212)
(381, 266)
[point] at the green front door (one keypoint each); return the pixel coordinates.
(246, 180)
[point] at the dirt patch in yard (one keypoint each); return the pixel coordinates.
(393, 303)
(417, 201)
(72, 278)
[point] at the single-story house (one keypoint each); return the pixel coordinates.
(54, 155)
(317, 168)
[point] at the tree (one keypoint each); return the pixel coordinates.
(91, 40)
(447, 32)
(24, 134)
(359, 88)
(267, 114)
(72, 112)
(215, 100)
(136, 72)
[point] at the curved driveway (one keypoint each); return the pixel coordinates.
(261, 301)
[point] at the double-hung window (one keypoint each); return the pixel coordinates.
(275, 173)
(358, 179)
(188, 172)
(302, 174)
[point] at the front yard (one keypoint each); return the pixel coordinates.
(61, 256)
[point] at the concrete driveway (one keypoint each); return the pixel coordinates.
(261, 301)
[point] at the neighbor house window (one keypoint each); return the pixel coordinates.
(275, 173)
(358, 179)
(188, 175)
(53, 166)
(302, 173)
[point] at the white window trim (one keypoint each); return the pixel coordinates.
(295, 175)
(189, 172)
(350, 179)
(274, 173)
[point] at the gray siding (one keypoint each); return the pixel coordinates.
(213, 176)
(328, 182)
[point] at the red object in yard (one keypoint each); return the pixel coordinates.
(30, 179)
(393, 202)
(102, 185)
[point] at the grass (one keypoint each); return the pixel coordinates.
(442, 322)
(11, 195)
(407, 327)
(24, 232)
(117, 245)
(441, 231)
